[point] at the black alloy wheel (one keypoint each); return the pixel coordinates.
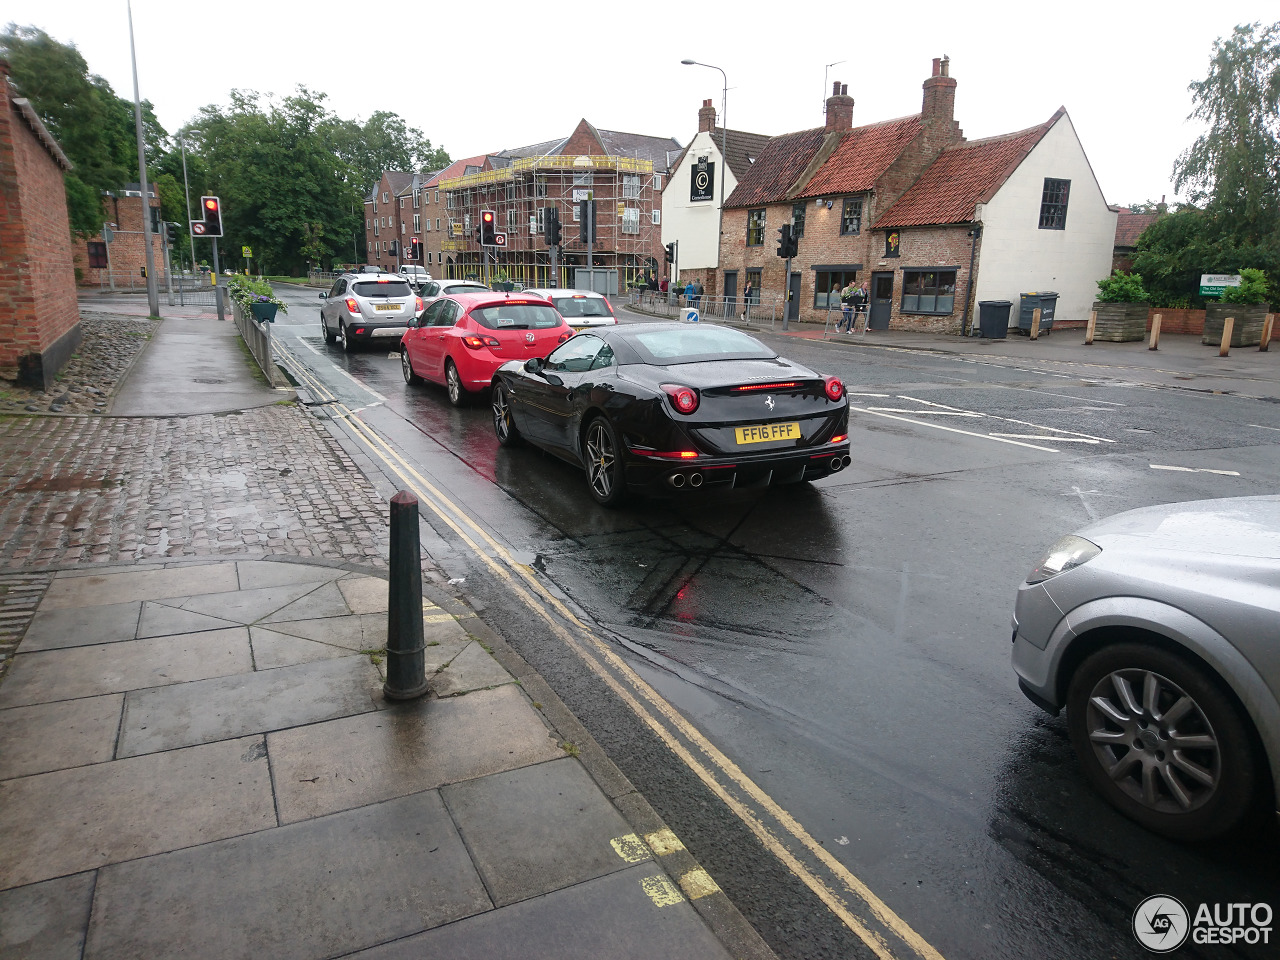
(504, 426)
(1162, 741)
(604, 464)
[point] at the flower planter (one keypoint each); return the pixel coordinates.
(264, 312)
(1120, 322)
(1245, 332)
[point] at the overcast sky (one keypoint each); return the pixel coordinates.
(480, 77)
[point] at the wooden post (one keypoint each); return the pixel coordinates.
(1093, 322)
(1035, 324)
(1265, 342)
(1225, 347)
(1155, 333)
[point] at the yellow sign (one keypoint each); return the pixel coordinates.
(246, 252)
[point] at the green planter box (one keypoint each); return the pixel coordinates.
(1245, 332)
(264, 312)
(1120, 322)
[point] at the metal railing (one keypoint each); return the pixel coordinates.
(257, 337)
(765, 310)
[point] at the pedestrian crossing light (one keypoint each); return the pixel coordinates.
(415, 249)
(212, 208)
(488, 228)
(671, 252)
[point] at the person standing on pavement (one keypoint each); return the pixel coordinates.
(746, 299)
(689, 293)
(846, 306)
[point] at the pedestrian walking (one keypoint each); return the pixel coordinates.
(746, 299)
(861, 297)
(698, 291)
(690, 291)
(846, 306)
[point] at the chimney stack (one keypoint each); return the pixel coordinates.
(839, 108)
(938, 109)
(706, 117)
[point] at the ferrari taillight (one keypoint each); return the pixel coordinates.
(476, 343)
(685, 399)
(835, 389)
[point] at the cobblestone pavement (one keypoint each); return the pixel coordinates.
(108, 347)
(85, 489)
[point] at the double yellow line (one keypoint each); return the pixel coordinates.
(882, 930)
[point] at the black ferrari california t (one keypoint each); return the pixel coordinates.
(666, 407)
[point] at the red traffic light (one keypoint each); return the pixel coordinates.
(488, 216)
(488, 228)
(212, 208)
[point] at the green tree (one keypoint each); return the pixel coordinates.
(1231, 174)
(386, 142)
(94, 127)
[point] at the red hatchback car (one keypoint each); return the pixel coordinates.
(462, 339)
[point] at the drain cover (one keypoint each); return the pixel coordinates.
(207, 380)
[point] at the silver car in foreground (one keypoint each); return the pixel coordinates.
(1159, 631)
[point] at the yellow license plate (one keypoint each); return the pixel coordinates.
(387, 306)
(767, 431)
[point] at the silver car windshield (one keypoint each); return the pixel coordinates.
(571, 307)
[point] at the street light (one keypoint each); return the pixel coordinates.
(724, 149)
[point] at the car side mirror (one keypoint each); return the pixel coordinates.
(323, 296)
(533, 365)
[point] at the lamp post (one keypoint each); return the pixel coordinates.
(153, 294)
(724, 152)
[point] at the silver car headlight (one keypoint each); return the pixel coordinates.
(1069, 552)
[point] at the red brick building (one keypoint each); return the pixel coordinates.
(39, 317)
(122, 212)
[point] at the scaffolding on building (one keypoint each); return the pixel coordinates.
(628, 237)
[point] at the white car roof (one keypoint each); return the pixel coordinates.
(549, 292)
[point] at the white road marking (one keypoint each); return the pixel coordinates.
(1038, 436)
(932, 413)
(1081, 494)
(1221, 473)
(967, 433)
(1261, 427)
(1040, 426)
(866, 394)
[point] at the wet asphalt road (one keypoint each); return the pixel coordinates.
(847, 643)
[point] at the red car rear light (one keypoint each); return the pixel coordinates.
(420, 306)
(835, 389)
(839, 438)
(564, 337)
(352, 305)
(685, 399)
(671, 454)
(749, 387)
(358, 330)
(476, 343)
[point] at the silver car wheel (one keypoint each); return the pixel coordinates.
(453, 384)
(1154, 741)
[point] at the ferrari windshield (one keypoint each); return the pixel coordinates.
(695, 344)
(516, 316)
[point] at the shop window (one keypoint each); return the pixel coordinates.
(928, 291)
(827, 285)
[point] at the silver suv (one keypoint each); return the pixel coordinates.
(363, 307)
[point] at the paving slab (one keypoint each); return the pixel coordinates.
(315, 889)
(327, 601)
(404, 749)
(347, 632)
(184, 714)
(82, 626)
(270, 573)
(540, 828)
(614, 916)
(51, 675)
(249, 605)
(73, 820)
(272, 649)
(52, 736)
(366, 594)
(161, 618)
(472, 669)
(46, 921)
(439, 653)
(140, 585)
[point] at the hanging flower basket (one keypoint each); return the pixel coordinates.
(264, 312)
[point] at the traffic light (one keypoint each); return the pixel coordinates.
(671, 252)
(587, 221)
(415, 249)
(784, 240)
(171, 232)
(551, 226)
(212, 209)
(395, 248)
(488, 228)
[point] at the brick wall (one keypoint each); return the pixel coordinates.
(128, 255)
(39, 316)
(1178, 321)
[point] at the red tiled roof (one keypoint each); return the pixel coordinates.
(781, 161)
(864, 153)
(1129, 226)
(456, 169)
(962, 177)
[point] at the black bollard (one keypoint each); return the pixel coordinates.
(406, 665)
